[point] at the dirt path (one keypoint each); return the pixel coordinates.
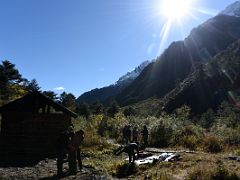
(47, 170)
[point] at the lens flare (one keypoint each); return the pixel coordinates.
(175, 9)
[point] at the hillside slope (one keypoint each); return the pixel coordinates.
(182, 58)
(209, 85)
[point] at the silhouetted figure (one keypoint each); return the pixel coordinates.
(77, 141)
(145, 136)
(62, 150)
(74, 152)
(128, 134)
(130, 150)
(135, 134)
(72, 157)
(124, 132)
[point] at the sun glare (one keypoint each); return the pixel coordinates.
(173, 13)
(176, 13)
(175, 9)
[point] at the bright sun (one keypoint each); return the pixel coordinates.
(173, 13)
(175, 9)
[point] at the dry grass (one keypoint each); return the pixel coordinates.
(191, 166)
(103, 160)
(98, 154)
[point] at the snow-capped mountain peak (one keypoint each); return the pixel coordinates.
(232, 10)
(133, 74)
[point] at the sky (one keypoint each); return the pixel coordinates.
(79, 45)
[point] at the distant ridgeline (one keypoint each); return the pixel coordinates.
(105, 94)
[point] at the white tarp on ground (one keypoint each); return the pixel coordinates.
(166, 157)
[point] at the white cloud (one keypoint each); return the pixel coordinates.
(59, 88)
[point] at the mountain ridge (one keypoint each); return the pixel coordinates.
(181, 58)
(105, 93)
(232, 9)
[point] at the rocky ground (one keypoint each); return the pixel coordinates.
(102, 165)
(47, 170)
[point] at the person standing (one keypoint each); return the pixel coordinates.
(124, 134)
(135, 134)
(145, 135)
(62, 150)
(72, 156)
(128, 134)
(77, 141)
(75, 152)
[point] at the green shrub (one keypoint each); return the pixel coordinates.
(158, 175)
(188, 136)
(110, 127)
(229, 116)
(222, 173)
(238, 152)
(126, 169)
(130, 111)
(91, 138)
(190, 142)
(212, 144)
(207, 119)
(162, 134)
(205, 172)
(233, 137)
(200, 173)
(190, 130)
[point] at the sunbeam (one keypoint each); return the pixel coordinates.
(164, 34)
(176, 13)
(210, 12)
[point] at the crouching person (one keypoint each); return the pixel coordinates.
(130, 149)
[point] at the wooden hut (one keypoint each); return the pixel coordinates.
(31, 125)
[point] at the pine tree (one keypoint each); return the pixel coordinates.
(52, 95)
(32, 85)
(68, 100)
(96, 108)
(10, 78)
(113, 109)
(83, 109)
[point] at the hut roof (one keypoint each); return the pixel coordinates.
(32, 102)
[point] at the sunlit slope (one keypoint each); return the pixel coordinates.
(182, 58)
